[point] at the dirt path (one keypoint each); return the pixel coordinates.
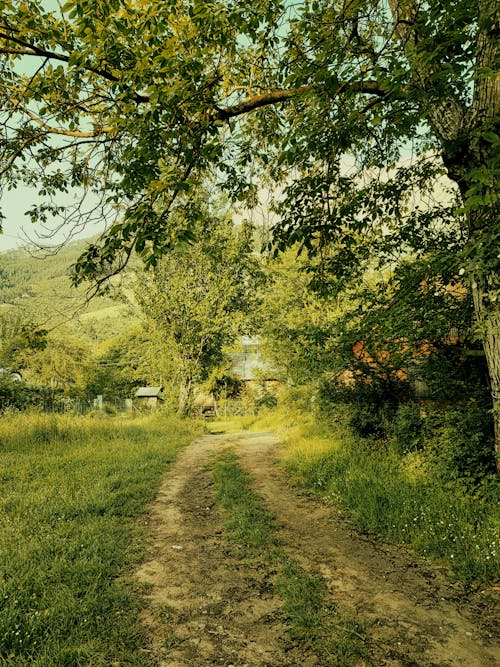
(208, 608)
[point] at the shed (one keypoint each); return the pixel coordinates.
(149, 397)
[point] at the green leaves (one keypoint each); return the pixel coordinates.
(134, 94)
(198, 296)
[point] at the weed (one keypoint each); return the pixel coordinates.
(393, 494)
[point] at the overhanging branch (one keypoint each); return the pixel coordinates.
(56, 130)
(370, 87)
(34, 50)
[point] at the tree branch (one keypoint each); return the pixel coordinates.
(277, 96)
(33, 50)
(56, 130)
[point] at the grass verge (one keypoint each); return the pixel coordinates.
(314, 623)
(390, 494)
(73, 495)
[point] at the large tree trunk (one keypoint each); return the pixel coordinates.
(460, 128)
(488, 318)
(185, 402)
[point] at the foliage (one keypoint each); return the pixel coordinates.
(61, 366)
(198, 299)
(297, 326)
(16, 395)
(73, 491)
(68, 353)
(455, 373)
(375, 123)
(458, 441)
(404, 313)
(406, 428)
(124, 363)
(18, 336)
(94, 114)
(223, 385)
(265, 400)
(373, 401)
(451, 425)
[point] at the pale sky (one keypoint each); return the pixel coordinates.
(18, 230)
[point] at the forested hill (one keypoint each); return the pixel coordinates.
(40, 289)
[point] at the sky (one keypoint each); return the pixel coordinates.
(18, 230)
(12, 206)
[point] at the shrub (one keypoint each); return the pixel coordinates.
(266, 400)
(459, 441)
(373, 402)
(406, 429)
(452, 375)
(15, 395)
(225, 386)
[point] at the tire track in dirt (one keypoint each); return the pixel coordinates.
(206, 607)
(418, 618)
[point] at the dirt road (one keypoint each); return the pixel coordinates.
(206, 607)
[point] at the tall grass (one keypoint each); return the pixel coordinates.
(73, 492)
(390, 494)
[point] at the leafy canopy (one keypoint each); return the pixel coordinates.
(139, 102)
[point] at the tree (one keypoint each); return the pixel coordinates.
(124, 363)
(297, 325)
(19, 336)
(60, 366)
(197, 300)
(137, 101)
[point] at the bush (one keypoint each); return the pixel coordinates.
(267, 400)
(373, 402)
(225, 386)
(406, 429)
(452, 375)
(15, 395)
(459, 441)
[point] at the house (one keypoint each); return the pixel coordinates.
(248, 365)
(149, 397)
(401, 361)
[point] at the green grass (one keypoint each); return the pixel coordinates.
(390, 494)
(73, 492)
(250, 525)
(314, 622)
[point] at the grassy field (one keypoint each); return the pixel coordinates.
(389, 494)
(73, 492)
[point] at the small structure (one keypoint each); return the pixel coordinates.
(205, 404)
(149, 397)
(249, 367)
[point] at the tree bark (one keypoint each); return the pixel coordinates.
(488, 319)
(460, 130)
(185, 397)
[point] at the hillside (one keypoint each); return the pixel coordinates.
(40, 288)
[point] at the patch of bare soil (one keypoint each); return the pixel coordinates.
(206, 607)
